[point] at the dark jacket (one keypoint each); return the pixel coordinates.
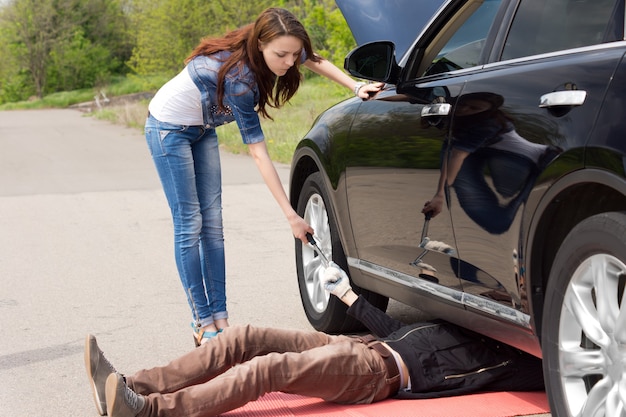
(444, 359)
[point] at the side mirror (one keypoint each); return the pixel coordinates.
(374, 61)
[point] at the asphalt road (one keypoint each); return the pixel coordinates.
(86, 247)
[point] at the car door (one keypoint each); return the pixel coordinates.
(397, 142)
(538, 101)
(392, 170)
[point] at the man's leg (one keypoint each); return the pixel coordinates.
(235, 345)
(345, 371)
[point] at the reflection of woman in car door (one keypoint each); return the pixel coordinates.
(484, 142)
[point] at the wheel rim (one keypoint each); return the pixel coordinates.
(316, 215)
(592, 338)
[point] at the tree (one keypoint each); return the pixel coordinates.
(65, 44)
(77, 62)
(168, 30)
(236, 13)
(32, 33)
(15, 80)
(327, 28)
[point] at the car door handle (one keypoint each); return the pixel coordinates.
(563, 98)
(437, 109)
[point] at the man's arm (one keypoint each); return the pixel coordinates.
(349, 298)
(336, 282)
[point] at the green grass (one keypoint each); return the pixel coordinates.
(56, 100)
(135, 84)
(117, 87)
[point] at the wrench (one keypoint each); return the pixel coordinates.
(311, 239)
(423, 241)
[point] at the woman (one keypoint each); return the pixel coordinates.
(235, 77)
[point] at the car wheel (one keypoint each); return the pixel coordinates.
(324, 312)
(584, 321)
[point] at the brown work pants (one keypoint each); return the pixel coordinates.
(243, 363)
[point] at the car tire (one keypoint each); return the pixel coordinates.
(584, 326)
(325, 313)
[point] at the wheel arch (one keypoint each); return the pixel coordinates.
(314, 152)
(312, 155)
(302, 166)
(309, 158)
(570, 200)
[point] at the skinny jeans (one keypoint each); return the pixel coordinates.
(187, 160)
(245, 362)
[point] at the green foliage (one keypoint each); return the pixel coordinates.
(107, 24)
(78, 63)
(15, 80)
(168, 30)
(61, 44)
(118, 86)
(61, 99)
(235, 13)
(327, 28)
(16, 87)
(160, 45)
(134, 83)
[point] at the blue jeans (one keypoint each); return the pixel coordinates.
(188, 162)
(494, 207)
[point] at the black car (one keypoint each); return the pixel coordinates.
(485, 184)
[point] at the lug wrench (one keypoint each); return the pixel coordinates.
(312, 242)
(423, 241)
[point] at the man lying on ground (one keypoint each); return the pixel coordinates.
(429, 359)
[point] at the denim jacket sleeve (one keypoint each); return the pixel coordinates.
(240, 97)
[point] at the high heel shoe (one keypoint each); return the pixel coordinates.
(201, 336)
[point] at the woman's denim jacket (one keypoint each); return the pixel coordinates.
(241, 95)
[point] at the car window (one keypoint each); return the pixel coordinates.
(460, 43)
(541, 26)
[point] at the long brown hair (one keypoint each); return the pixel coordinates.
(243, 45)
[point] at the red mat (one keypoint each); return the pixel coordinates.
(496, 404)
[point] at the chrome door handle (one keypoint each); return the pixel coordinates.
(563, 98)
(437, 109)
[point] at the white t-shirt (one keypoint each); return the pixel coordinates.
(511, 141)
(178, 101)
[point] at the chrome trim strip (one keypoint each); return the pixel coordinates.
(421, 284)
(482, 304)
(597, 47)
